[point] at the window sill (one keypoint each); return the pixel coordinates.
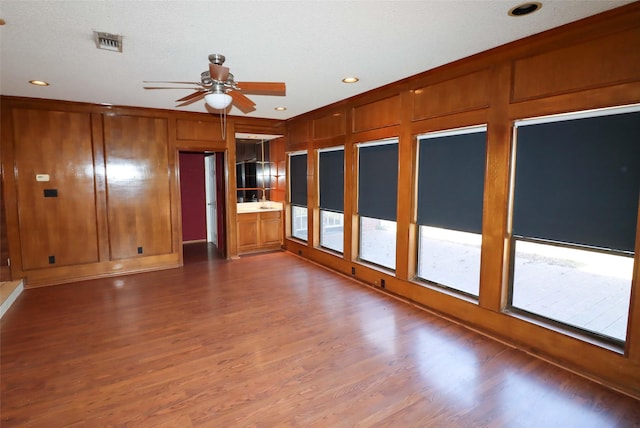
(376, 267)
(566, 331)
(446, 290)
(330, 251)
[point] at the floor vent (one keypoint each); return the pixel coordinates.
(109, 42)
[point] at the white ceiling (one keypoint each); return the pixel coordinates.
(310, 45)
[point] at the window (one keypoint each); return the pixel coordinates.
(575, 208)
(331, 177)
(450, 193)
(298, 195)
(377, 201)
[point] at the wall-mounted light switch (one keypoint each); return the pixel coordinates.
(42, 177)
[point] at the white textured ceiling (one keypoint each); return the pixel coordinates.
(310, 45)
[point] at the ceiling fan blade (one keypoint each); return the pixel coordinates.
(197, 96)
(218, 72)
(194, 96)
(164, 87)
(171, 81)
(263, 88)
(242, 102)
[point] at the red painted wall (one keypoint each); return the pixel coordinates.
(194, 220)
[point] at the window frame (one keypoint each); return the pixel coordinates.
(292, 205)
(380, 142)
(514, 238)
(464, 130)
(323, 210)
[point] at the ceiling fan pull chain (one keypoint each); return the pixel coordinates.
(223, 123)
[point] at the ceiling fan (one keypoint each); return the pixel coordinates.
(219, 88)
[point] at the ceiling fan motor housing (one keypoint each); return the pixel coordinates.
(217, 59)
(205, 78)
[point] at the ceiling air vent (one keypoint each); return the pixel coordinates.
(109, 42)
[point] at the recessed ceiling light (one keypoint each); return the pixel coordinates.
(525, 9)
(350, 79)
(38, 82)
(280, 108)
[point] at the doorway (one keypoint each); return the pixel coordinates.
(211, 197)
(202, 189)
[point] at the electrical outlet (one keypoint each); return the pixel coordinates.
(382, 285)
(353, 270)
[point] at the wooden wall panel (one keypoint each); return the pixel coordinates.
(298, 133)
(60, 230)
(279, 169)
(5, 270)
(139, 198)
(495, 213)
(593, 63)
(457, 95)
(331, 125)
(198, 130)
(378, 114)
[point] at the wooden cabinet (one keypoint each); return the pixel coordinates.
(259, 231)
(248, 232)
(271, 228)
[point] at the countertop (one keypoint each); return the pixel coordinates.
(256, 207)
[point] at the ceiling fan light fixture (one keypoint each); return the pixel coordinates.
(218, 101)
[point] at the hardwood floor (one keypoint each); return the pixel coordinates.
(270, 340)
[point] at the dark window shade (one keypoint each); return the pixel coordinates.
(332, 180)
(378, 181)
(578, 181)
(298, 179)
(451, 181)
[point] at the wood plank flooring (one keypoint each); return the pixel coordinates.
(270, 340)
